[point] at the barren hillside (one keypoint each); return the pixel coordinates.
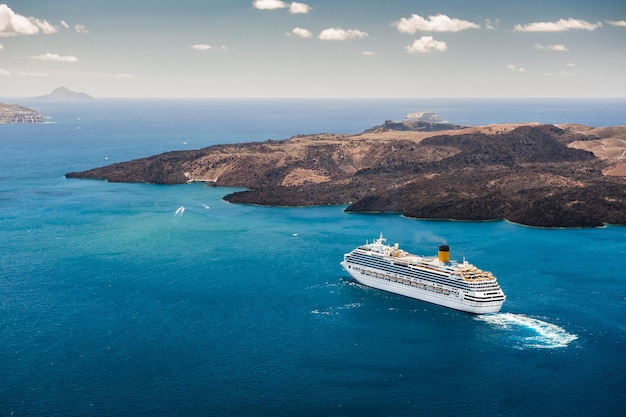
(540, 175)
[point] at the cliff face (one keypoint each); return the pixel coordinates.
(528, 174)
(13, 113)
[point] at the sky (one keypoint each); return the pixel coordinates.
(314, 48)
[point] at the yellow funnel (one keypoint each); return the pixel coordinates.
(444, 253)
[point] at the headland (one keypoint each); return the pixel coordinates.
(528, 173)
(14, 113)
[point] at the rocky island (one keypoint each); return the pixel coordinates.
(64, 94)
(14, 113)
(532, 174)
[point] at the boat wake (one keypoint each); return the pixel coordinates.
(332, 311)
(529, 332)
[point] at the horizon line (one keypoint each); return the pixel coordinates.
(94, 98)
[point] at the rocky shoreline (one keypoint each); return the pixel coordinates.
(531, 174)
(14, 113)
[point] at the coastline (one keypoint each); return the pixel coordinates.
(537, 175)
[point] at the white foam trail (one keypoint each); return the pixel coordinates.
(543, 334)
(206, 206)
(179, 211)
(324, 313)
(333, 311)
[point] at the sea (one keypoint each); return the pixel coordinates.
(152, 300)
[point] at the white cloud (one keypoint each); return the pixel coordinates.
(515, 68)
(556, 47)
(368, 53)
(97, 75)
(339, 34)
(571, 71)
(13, 24)
(44, 26)
(491, 25)
(4, 73)
(201, 47)
(55, 57)
(559, 74)
(301, 33)
(33, 74)
(438, 23)
(269, 4)
(426, 45)
(561, 25)
(299, 8)
(207, 47)
(294, 7)
(621, 23)
(78, 28)
(81, 29)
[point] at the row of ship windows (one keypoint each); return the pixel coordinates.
(405, 270)
(418, 274)
(486, 299)
(377, 262)
(407, 282)
(491, 297)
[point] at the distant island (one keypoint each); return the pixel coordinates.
(64, 93)
(533, 174)
(424, 116)
(14, 113)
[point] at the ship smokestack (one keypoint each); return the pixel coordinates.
(444, 253)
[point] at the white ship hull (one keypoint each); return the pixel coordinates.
(447, 297)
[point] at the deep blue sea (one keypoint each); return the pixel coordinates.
(146, 300)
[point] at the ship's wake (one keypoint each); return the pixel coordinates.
(529, 332)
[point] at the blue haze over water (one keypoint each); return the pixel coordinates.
(114, 301)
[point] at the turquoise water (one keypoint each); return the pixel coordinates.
(136, 299)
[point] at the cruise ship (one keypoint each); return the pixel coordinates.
(435, 279)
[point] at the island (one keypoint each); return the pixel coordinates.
(532, 174)
(64, 94)
(14, 113)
